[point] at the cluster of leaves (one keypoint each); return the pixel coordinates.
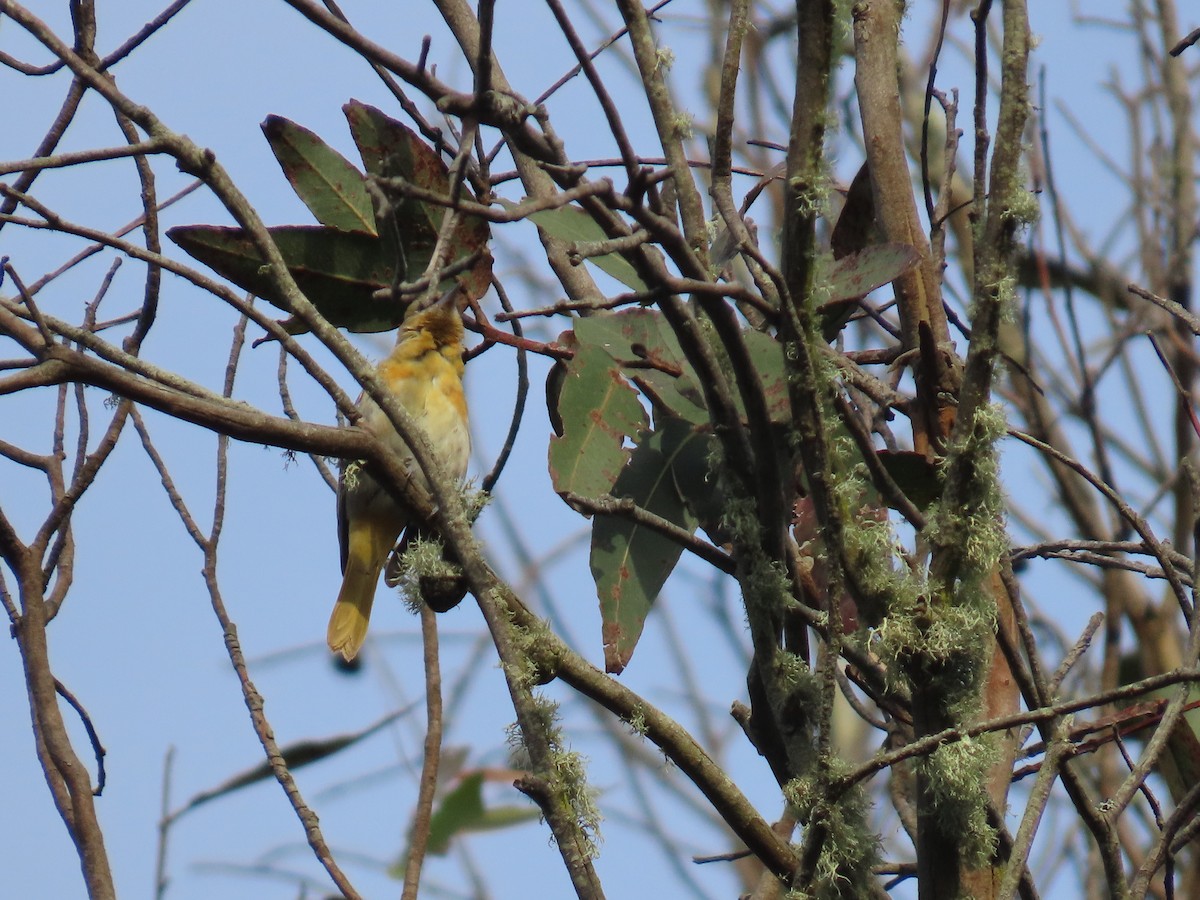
(351, 264)
(607, 447)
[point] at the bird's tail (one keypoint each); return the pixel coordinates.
(348, 624)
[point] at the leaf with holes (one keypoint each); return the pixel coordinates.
(649, 354)
(599, 410)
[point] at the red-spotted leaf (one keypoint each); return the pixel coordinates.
(331, 188)
(767, 355)
(598, 410)
(649, 355)
(857, 274)
(872, 267)
(630, 562)
(692, 453)
(391, 150)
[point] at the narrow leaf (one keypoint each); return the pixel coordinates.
(691, 451)
(389, 149)
(337, 270)
(767, 355)
(570, 223)
(331, 188)
(630, 563)
(297, 754)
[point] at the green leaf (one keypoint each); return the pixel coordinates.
(599, 410)
(332, 189)
(462, 811)
(1180, 765)
(857, 274)
(337, 270)
(570, 223)
(856, 227)
(297, 754)
(690, 450)
(630, 563)
(459, 810)
(649, 353)
(860, 273)
(767, 355)
(391, 150)
(914, 474)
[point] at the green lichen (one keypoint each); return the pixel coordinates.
(351, 474)
(637, 721)
(1023, 208)
(957, 775)
(682, 126)
(850, 847)
(974, 529)
(529, 667)
(567, 775)
(422, 558)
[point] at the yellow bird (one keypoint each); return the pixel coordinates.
(424, 372)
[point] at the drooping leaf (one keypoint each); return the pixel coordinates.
(767, 355)
(555, 379)
(391, 150)
(462, 811)
(690, 451)
(297, 754)
(570, 223)
(331, 188)
(598, 409)
(338, 271)
(855, 227)
(458, 811)
(630, 562)
(1180, 765)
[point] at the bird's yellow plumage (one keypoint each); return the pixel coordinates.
(424, 372)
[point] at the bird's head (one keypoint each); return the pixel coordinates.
(441, 322)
